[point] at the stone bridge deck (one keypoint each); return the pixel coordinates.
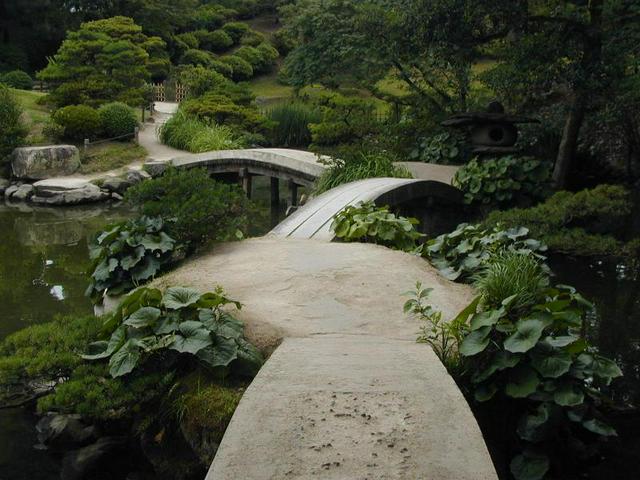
(347, 393)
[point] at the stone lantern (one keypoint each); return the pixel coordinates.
(492, 131)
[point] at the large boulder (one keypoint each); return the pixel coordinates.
(38, 163)
(24, 193)
(4, 184)
(116, 185)
(67, 192)
(60, 431)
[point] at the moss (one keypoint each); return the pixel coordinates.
(587, 223)
(205, 404)
(111, 155)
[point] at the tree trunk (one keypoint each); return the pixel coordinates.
(569, 142)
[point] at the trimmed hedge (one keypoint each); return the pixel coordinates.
(79, 122)
(117, 119)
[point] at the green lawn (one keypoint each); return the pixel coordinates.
(35, 116)
(111, 155)
(268, 90)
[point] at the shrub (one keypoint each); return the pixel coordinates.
(128, 254)
(253, 38)
(12, 131)
(17, 79)
(219, 108)
(53, 131)
(202, 209)
(262, 58)
(462, 253)
(216, 41)
(150, 327)
(242, 70)
(188, 40)
(222, 68)
(357, 165)
(444, 149)
(197, 57)
(79, 122)
(251, 55)
(504, 180)
(367, 223)
(186, 132)
(117, 119)
(579, 223)
(291, 124)
(199, 79)
(210, 17)
(235, 30)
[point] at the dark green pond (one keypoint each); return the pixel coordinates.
(43, 258)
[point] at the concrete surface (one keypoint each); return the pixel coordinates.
(336, 312)
(431, 171)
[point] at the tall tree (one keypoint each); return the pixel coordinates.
(104, 60)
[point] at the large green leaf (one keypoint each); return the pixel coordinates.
(220, 354)
(530, 425)
(485, 392)
(486, 319)
(528, 332)
(145, 269)
(191, 338)
(551, 363)
(596, 426)
(176, 298)
(223, 324)
(568, 395)
(143, 317)
(605, 368)
(500, 361)
(249, 359)
(475, 342)
(529, 466)
(522, 382)
(162, 242)
(96, 351)
(168, 323)
(129, 261)
(125, 359)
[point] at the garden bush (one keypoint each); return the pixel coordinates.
(79, 122)
(503, 181)
(367, 223)
(291, 124)
(197, 57)
(235, 30)
(460, 254)
(12, 131)
(17, 79)
(242, 70)
(201, 210)
(357, 165)
(220, 109)
(127, 255)
(211, 16)
(518, 347)
(253, 38)
(222, 68)
(261, 58)
(588, 222)
(152, 326)
(216, 41)
(118, 119)
(53, 131)
(186, 132)
(187, 41)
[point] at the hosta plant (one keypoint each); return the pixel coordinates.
(128, 254)
(553, 378)
(177, 325)
(443, 148)
(462, 253)
(368, 223)
(503, 181)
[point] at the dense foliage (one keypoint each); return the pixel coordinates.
(105, 60)
(519, 345)
(589, 222)
(79, 122)
(368, 223)
(291, 124)
(443, 148)
(460, 254)
(503, 181)
(12, 131)
(197, 208)
(118, 119)
(355, 165)
(17, 79)
(128, 254)
(186, 132)
(152, 326)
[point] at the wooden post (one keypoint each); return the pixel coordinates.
(136, 135)
(86, 145)
(143, 109)
(245, 179)
(275, 198)
(293, 188)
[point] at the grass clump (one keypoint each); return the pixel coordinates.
(111, 155)
(291, 124)
(188, 133)
(358, 165)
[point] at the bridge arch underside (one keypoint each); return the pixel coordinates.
(437, 205)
